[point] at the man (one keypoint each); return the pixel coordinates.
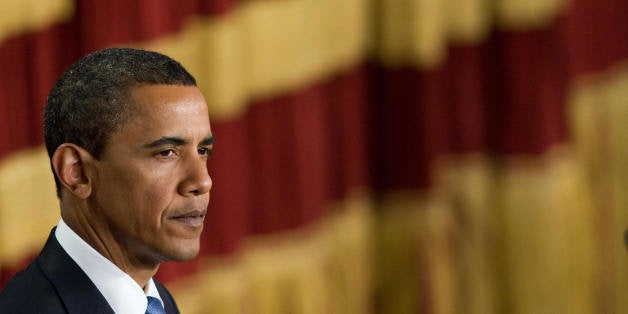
(128, 136)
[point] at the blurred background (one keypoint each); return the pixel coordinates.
(372, 156)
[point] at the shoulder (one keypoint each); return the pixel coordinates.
(53, 283)
(30, 292)
(169, 304)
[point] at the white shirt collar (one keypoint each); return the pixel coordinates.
(122, 293)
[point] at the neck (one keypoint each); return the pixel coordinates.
(99, 236)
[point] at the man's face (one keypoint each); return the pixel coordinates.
(152, 186)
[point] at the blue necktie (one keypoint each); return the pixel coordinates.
(154, 306)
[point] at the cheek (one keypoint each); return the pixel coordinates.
(157, 194)
(138, 193)
(131, 191)
(154, 198)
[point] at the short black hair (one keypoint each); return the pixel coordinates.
(91, 99)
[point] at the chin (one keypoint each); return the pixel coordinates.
(183, 252)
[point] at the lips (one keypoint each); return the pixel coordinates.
(192, 218)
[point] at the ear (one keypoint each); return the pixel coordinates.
(70, 163)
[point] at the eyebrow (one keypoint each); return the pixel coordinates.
(208, 141)
(177, 141)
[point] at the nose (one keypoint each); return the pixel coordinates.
(197, 180)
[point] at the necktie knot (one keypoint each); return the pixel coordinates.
(154, 306)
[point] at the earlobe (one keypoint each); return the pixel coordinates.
(69, 162)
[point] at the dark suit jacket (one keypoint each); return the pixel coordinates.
(54, 283)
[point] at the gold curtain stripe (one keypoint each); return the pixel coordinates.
(323, 268)
(411, 32)
(468, 21)
(515, 241)
(547, 229)
(598, 116)
(21, 16)
(418, 32)
(414, 256)
(522, 15)
(465, 183)
(219, 287)
(28, 204)
(265, 48)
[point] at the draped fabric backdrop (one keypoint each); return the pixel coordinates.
(372, 156)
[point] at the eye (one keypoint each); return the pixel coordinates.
(204, 151)
(167, 153)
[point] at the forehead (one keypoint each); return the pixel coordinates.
(167, 110)
(149, 100)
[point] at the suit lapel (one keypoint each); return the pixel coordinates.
(76, 290)
(169, 305)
